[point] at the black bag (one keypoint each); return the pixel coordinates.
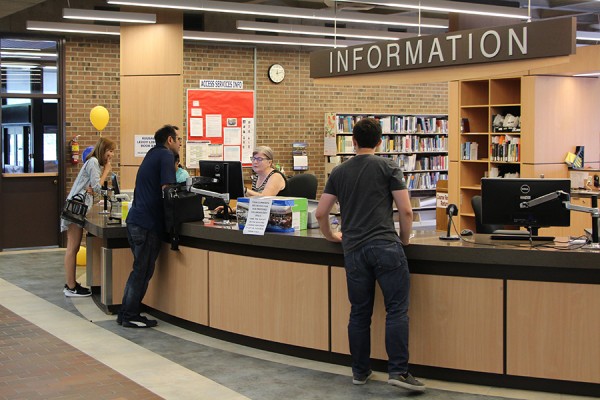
(180, 206)
(75, 209)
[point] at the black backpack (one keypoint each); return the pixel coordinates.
(180, 206)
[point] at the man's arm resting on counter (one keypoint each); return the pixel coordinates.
(326, 202)
(405, 214)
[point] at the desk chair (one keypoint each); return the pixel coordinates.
(479, 226)
(302, 185)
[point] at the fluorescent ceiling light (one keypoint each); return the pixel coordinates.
(320, 30)
(590, 74)
(593, 36)
(326, 14)
(26, 54)
(73, 28)
(450, 7)
(116, 16)
(262, 39)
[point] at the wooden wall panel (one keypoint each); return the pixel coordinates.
(153, 49)
(553, 330)
(122, 264)
(127, 178)
(281, 301)
(560, 111)
(147, 103)
(454, 322)
(179, 286)
(457, 322)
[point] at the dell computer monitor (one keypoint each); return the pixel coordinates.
(226, 175)
(502, 201)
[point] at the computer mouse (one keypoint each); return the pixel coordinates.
(466, 232)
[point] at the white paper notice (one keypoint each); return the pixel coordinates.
(300, 162)
(195, 103)
(142, 144)
(232, 136)
(258, 216)
(196, 129)
(196, 112)
(213, 125)
(231, 153)
(194, 152)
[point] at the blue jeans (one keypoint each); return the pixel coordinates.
(145, 245)
(385, 262)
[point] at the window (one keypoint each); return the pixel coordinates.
(30, 106)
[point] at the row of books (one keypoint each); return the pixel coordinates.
(397, 124)
(409, 143)
(468, 150)
(423, 180)
(505, 148)
(410, 162)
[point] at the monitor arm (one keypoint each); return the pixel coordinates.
(566, 197)
(195, 180)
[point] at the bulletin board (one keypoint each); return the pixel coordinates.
(220, 125)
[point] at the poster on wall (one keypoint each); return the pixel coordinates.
(220, 125)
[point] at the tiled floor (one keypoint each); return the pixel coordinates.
(52, 347)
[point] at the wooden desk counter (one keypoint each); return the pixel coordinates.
(477, 306)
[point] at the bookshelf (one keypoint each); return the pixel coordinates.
(489, 136)
(555, 114)
(417, 143)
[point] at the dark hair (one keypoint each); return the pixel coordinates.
(367, 133)
(161, 135)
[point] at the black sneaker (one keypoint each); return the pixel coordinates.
(77, 291)
(139, 322)
(361, 379)
(406, 381)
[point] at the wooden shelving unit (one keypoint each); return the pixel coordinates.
(555, 113)
(483, 149)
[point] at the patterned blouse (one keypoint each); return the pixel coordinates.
(260, 188)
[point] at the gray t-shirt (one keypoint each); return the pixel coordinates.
(363, 186)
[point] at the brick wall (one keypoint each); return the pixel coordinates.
(92, 79)
(287, 112)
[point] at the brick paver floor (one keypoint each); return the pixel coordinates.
(36, 365)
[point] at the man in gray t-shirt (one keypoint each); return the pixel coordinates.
(365, 187)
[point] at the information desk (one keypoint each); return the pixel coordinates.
(482, 313)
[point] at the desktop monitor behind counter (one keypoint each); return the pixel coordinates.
(503, 202)
(227, 178)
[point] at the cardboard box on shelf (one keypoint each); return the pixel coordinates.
(288, 214)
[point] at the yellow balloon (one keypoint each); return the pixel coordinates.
(81, 256)
(99, 117)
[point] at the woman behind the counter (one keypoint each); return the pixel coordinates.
(266, 180)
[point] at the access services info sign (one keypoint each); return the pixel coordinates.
(548, 38)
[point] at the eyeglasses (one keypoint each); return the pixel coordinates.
(258, 159)
(179, 139)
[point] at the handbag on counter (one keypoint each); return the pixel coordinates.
(180, 206)
(75, 209)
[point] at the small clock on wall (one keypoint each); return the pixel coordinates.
(276, 73)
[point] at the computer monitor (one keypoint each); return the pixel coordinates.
(115, 185)
(226, 175)
(504, 202)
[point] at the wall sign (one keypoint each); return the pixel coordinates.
(548, 38)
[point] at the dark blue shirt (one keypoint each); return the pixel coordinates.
(155, 171)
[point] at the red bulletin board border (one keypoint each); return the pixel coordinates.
(227, 103)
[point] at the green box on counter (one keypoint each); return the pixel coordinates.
(288, 214)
